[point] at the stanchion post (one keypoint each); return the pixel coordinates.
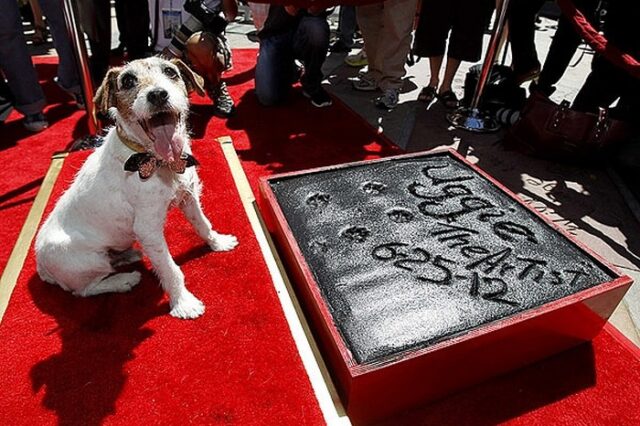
(471, 118)
(77, 40)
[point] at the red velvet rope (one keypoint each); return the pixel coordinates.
(598, 41)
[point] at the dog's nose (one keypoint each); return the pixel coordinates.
(157, 97)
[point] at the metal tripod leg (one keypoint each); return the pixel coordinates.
(471, 118)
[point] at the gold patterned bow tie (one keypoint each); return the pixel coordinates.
(146, 164)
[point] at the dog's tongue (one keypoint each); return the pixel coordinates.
(167, 143)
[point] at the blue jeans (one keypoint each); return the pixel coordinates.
(15, 60)
(276, 70)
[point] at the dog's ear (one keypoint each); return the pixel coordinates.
(192, 80)
(106, 94)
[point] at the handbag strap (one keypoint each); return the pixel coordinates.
(559, 115)
(602, 126)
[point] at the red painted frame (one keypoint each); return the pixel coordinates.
(373, 391)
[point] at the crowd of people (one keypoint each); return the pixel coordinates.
(294, 43)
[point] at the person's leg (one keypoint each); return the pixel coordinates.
(15, 61)
(274, 69)
(68, 77)
(122, 24)
(136, 22)
(310, 45)
(395, 41)
(601, 88)
(201, 51)
(347, 25)
(465, 40)
(435, 64)
(369, 19)
(522, 28)
(449, 74)
(40, 29)
(96, 22)
(563, 47)
(38, 20)
(430, 41)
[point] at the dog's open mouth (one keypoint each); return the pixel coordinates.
(161, 130)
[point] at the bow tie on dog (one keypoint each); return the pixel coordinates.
(146, 164)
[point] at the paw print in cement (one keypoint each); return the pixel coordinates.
(400, 215)
(318, 200)
(358, 234)
(373, 187)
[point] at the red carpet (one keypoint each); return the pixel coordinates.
(122, 360)
(119, 359)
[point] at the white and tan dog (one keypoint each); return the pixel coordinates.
(95, 223)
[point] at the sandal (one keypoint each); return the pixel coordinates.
(427, 94)
(449, 99)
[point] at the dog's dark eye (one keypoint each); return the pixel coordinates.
(128, 81)
(170, 72)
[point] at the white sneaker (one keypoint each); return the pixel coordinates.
(358, 60)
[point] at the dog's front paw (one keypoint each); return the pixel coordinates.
(187, 307)
(222, 242)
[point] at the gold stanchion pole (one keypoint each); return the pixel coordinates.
(471, 118)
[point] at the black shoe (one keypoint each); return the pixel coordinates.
(222, 102)
(35, 122)
(546, 91)
(118, 51)
(339, 46)
(319, 98)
